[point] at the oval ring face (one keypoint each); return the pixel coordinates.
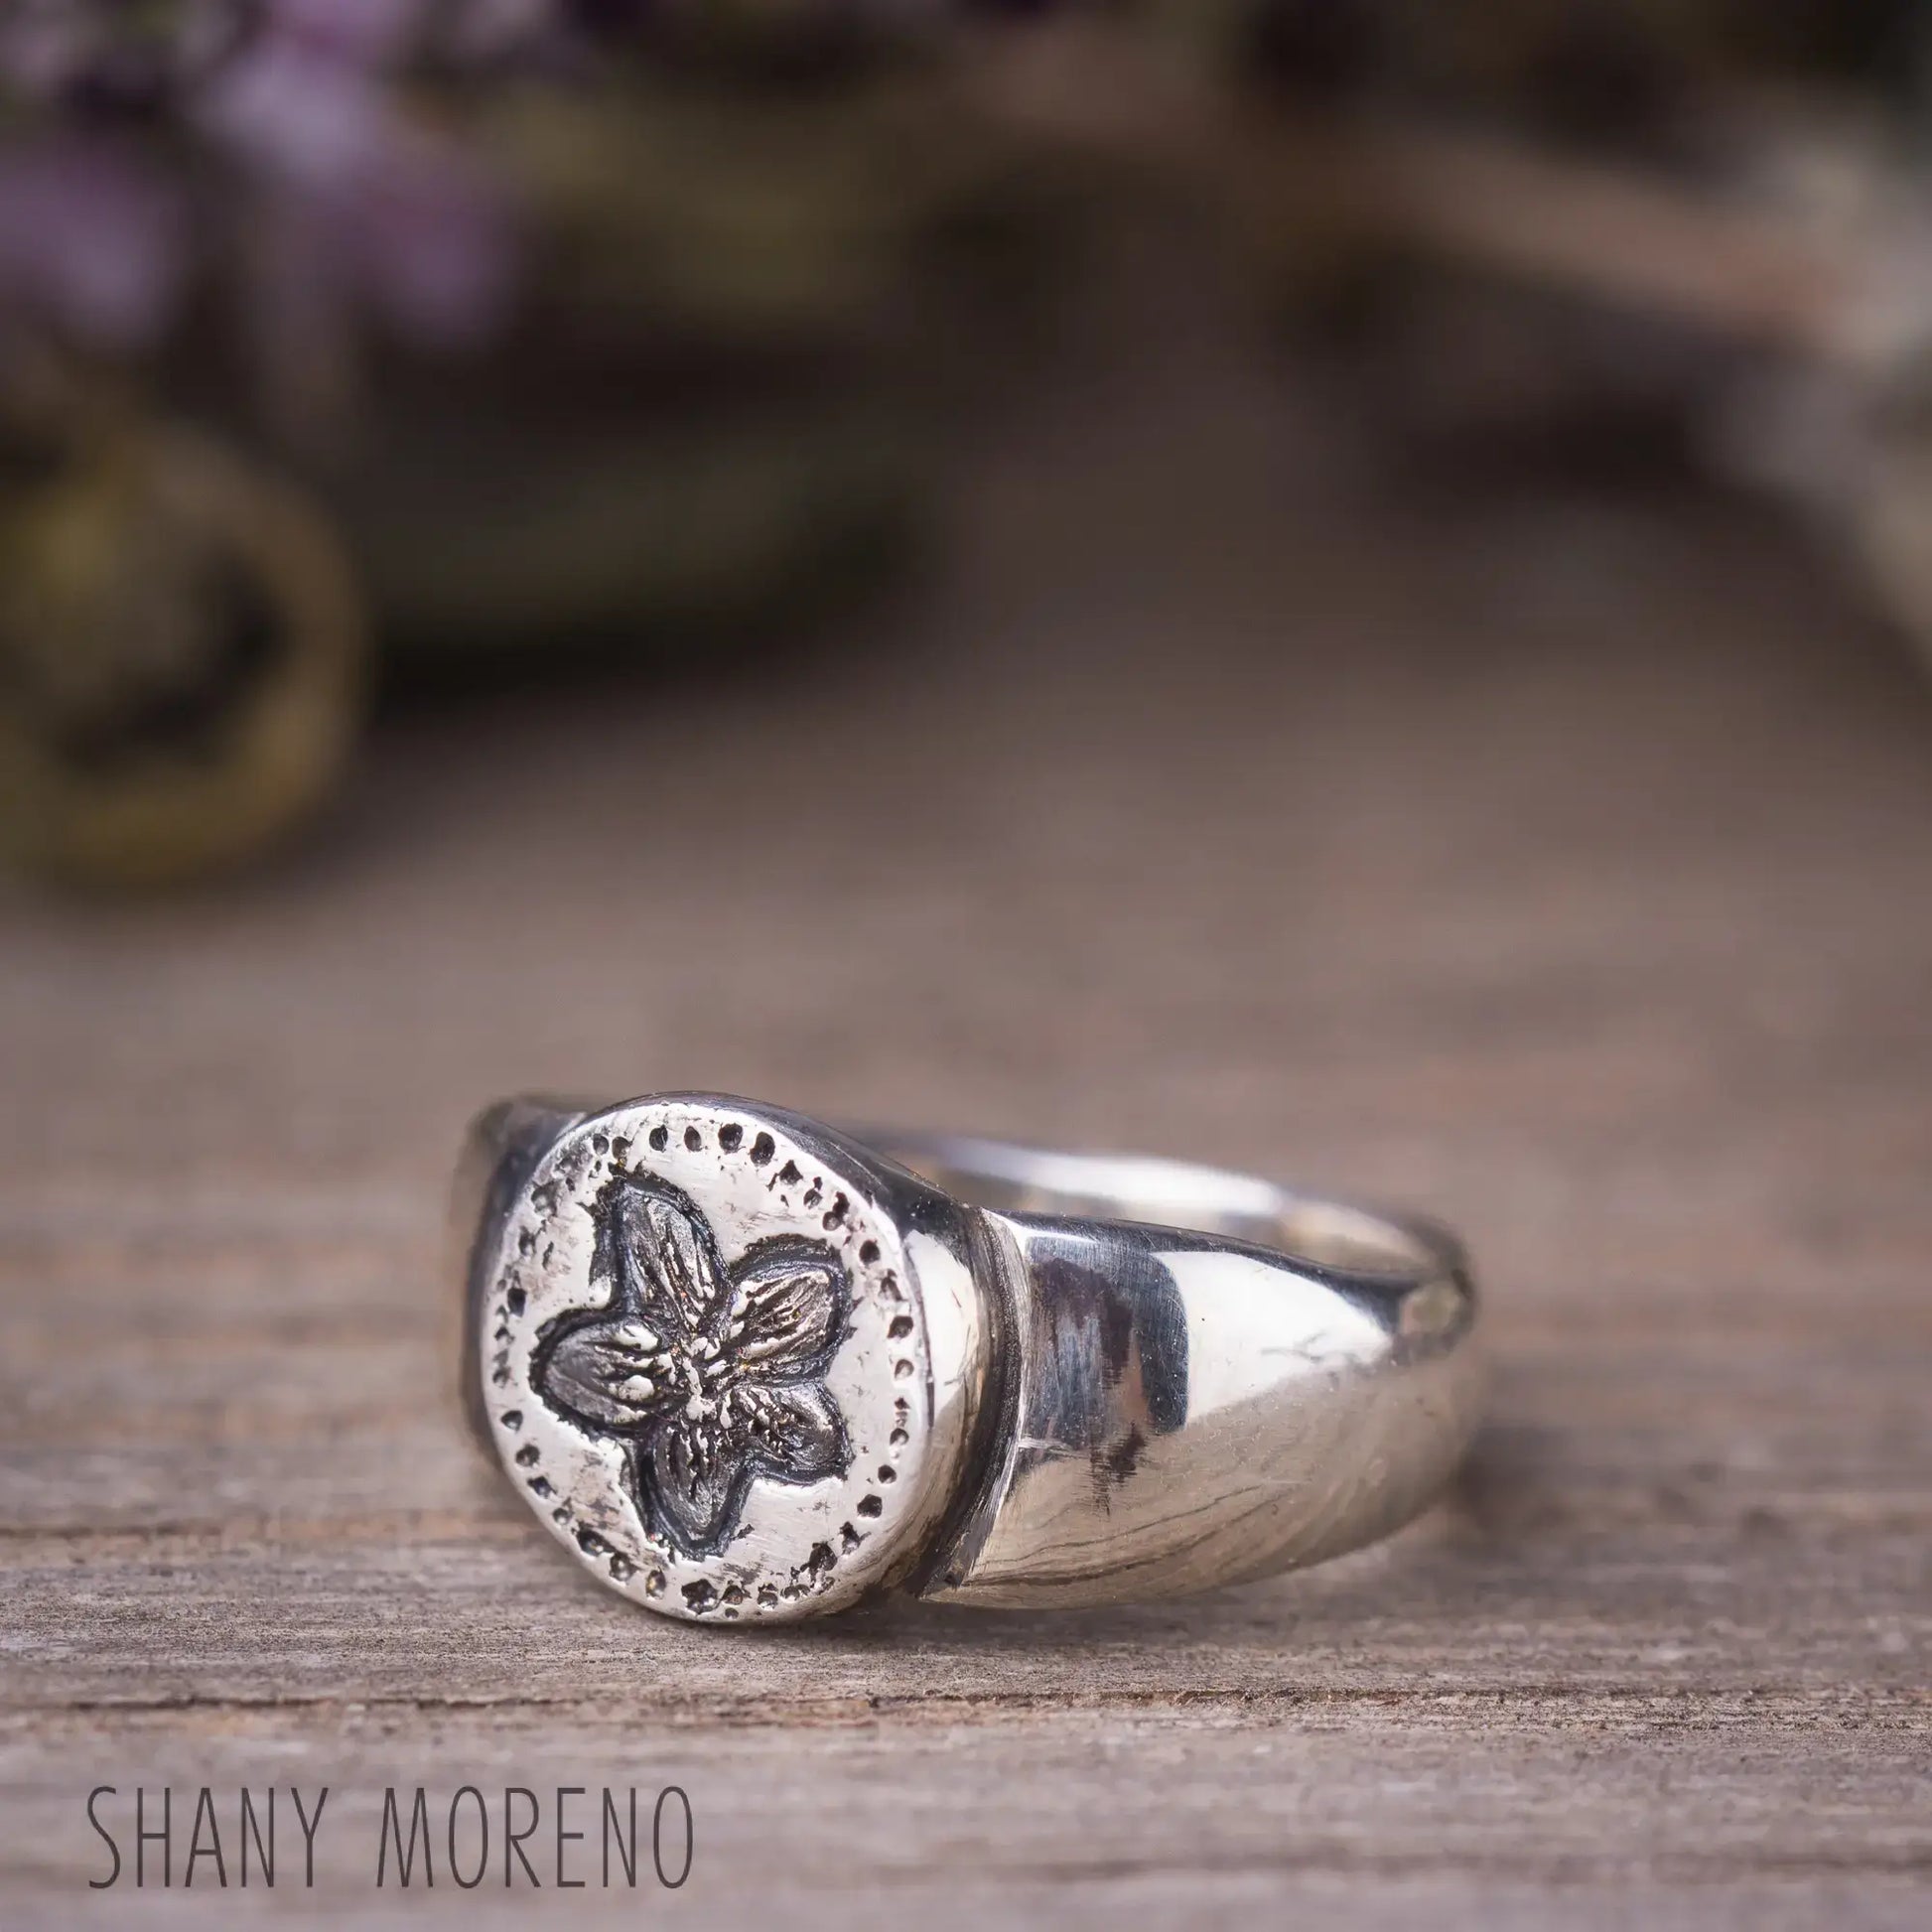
(706, 1363)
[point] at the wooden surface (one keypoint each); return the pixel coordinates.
(1563, 868)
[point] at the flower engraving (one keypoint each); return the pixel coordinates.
(711, 1377)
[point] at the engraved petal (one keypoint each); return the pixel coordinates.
(607, 1373)
(693, 1478)
(661, 1254)
(794, 1430)
(787, 1303)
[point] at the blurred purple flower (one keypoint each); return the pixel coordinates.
(368, 33)
(488, 29)
(93, 240)
(43, 47)
(331, 198)
(434, 244)
(391, 213)
(108, 54)
(307, 118)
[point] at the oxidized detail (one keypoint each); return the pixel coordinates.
(710, 1377)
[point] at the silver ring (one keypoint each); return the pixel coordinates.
(751, 1368)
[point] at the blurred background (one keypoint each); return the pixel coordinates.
(1275, 579)
(365, 358)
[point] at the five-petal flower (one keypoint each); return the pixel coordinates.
(712, 1377)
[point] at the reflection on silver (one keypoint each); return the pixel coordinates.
(1061, 1379)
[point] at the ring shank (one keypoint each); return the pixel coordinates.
(1148, 1192)
(1207, 1378)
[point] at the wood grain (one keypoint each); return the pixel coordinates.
(1561, 866)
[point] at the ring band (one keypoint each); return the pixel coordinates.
(749, 1367)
